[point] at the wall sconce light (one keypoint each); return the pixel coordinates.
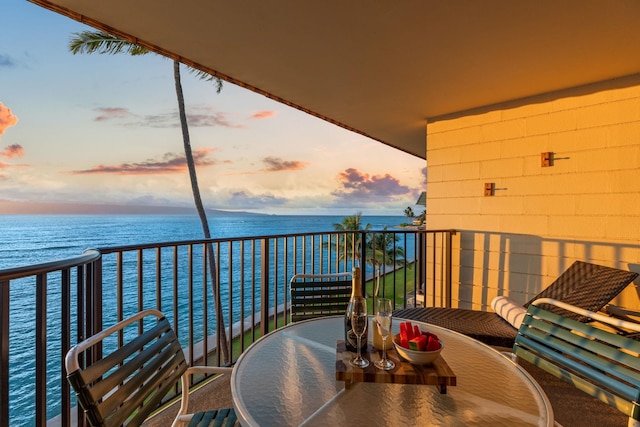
(489, 188)
(546, 159)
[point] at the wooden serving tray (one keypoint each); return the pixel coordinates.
(438, 373)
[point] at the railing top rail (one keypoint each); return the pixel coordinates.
(91, 255)
(113, 249)
(88, 256)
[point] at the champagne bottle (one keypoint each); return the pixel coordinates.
(350, 339)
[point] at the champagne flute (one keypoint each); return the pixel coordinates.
(384, 309)
(359, 326)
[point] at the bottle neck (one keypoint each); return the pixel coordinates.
(356, 290)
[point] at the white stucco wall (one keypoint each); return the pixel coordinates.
(586, 206)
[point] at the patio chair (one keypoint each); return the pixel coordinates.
(128, 384)
(317, 295)
(585, 285)
(600, 363)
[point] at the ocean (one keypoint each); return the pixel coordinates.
(32, 239)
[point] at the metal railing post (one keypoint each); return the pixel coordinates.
(4, 353)
(41, 349)
(448, 266)
(421, 264)
(363, 260)
(264, 286)
(65, 344)
(94, 292)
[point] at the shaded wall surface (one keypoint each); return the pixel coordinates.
(585, 205)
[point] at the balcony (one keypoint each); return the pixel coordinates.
(46, 308)
(535, 221)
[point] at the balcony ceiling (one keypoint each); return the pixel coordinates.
(384, 68)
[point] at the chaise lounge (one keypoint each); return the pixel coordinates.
(585, 285)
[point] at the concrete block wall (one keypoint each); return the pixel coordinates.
(586, 206)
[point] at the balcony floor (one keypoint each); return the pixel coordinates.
(214, 394)
(571, 406)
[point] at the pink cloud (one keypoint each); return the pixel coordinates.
(213, 119)
(12, 151)
(7, 165)
(248, 200)
(170, 163)
(275, 164)
(356, 185)
(165, 120)
(109, 113)
(263, 114)
(7, 118)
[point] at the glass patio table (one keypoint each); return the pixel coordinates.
(287, 378)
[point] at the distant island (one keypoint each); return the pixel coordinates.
(49, 208)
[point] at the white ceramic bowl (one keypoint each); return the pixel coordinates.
(416, 357)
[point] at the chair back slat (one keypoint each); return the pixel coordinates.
(152, 380)
(585, 285)
(318, 296)
(127, 385)
(100, 367)
(147, 356)
(596, 361)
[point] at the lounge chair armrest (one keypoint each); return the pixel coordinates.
(608, 320)
(622, 313)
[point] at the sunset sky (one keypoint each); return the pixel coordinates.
(101, 129)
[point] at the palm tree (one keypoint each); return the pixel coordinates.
(97, 41)
(408, 212)
(381, 251)
(350, 247)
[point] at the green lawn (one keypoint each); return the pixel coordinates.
(386, 290)
(387, 286)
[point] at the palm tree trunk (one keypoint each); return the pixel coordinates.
(201, 213)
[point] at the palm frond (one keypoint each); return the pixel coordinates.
(88, 42)
(202, 75)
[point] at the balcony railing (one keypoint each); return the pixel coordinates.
(46, 308)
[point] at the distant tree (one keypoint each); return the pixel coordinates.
(348, 245)
(381, 251)
(408, 212)
(100, 42)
